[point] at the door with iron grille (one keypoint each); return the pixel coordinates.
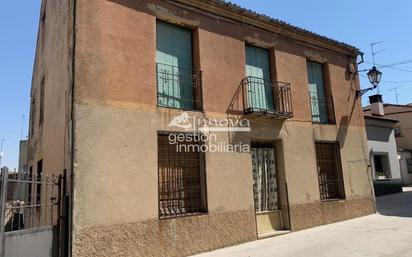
(174, 66)
(265, 189)
(260, 94)
(317, 92)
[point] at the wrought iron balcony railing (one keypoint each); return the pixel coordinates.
(323, 109)
(267, 97)
(178, 87)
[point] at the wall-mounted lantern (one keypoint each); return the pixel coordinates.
(374, 76)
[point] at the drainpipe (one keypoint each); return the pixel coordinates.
(72, 139)
(371, 178)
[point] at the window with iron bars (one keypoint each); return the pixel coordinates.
(329, 171)
(182, 180)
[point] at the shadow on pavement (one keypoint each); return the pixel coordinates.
(395, 205)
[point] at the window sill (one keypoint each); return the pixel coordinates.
(333, 200)
(183, 216)
(180, 109)
(323, 123)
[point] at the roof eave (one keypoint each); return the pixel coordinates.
(235, 12)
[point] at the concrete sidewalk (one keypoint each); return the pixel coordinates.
(385, 234)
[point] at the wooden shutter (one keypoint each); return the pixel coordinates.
(259, 88)
(317, 92)
(174, 66)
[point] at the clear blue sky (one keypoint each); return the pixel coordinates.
(355, 22)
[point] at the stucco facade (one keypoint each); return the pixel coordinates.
(106, 135)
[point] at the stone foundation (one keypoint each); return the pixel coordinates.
(171, 237)
(309, 215)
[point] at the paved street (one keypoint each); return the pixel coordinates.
(385, 234)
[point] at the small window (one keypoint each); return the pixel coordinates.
(39, 179)
(329, 171)
(30, 188)
(32, 114)
(381, 166)
(398, 132)
(409, 165)
(181, 174)
(41, 114)
(43, 24)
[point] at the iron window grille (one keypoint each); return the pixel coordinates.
(178, 87)
(182, 181)
(320, 106)
(329, 166)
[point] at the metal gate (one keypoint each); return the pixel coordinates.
(30, 215)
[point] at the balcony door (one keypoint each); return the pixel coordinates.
(174, 66)
(317, 92)
(260, 96)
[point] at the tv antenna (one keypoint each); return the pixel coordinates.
(396, 93)
(374, 53)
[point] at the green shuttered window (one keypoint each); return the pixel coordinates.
(260, 94)
(317, 92)
(174, 66)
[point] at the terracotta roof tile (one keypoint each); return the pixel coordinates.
(289, 26)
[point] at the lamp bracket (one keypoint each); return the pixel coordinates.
(361, 92)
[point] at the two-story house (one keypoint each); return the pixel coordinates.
(118, 83)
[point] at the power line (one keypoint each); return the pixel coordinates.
(396, 64)
(389, 81)
(390, 67)
(399, 69)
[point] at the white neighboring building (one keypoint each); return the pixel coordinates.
(405, 161)
(382, 149)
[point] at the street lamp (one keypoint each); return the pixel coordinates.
(374, 76)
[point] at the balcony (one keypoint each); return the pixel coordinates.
(178, 87)
(266, 98)
(323, 110)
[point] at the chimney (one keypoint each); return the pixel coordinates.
(376, 105)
